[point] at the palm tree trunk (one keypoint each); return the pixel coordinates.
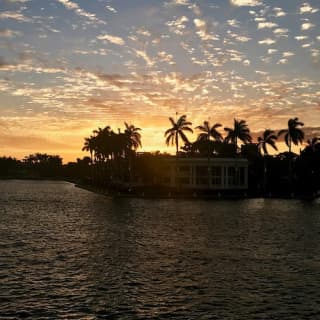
(290, 174)
(264, 174)
(290, 165)
(177, 184)
(91, 166)
(289, 144)
(177, 144)
(236, 144)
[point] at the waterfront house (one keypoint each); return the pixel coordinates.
(204, 173)
(198, 173)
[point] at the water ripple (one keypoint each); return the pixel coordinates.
(66, 253)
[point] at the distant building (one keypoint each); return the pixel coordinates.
(199, 174)
(203, 173)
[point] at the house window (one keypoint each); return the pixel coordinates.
(201, 171)
(201, 180)
(236, 176)
(184, 169)
(231, 176)
(166, 180)
(183, 180)
(216, 177)
(241, 176)
(202, 175)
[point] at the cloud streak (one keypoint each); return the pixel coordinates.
(245, 3)
(112, 39)
(70, 5)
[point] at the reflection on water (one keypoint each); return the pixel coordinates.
(68, 253)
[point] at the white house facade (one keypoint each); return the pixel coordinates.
(205, 173)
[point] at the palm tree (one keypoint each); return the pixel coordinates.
(133, 139)
(239, 131)
(100, 130)
(313, 144)
(268, 138)
(293, 134)
(102, 148)
(207, 132)
(204, 138)
(177, 131)
(89, 145)
(133, 136)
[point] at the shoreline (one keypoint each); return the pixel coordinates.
(166, 193)
(146, 193)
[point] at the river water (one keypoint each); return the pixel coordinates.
(66, 253)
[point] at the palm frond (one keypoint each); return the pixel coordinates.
(202, 128)
(184, 137)
(282, 131)
(186, 129)
(172, 121)
(170, 130)
(170, 139)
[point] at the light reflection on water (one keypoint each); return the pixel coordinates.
(68, 253)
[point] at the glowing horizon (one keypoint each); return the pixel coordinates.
(68, 67)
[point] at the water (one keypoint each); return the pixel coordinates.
(66, 253)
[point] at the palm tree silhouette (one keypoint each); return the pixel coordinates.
(89, 145)
(100, 143)
(133, 136)
(207, 131)
(239, 131)
(204, 138)
(313, 144)
(293, 134)
(177, 131)
(268, 138)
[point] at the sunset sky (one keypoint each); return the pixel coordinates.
(68, 67)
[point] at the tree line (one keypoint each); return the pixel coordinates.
(104, 144)
(34, 166)
(266, 172)
(113, 156)
(210, 139)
